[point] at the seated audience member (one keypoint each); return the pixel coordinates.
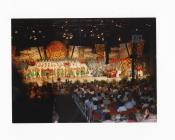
(132, 117)
(106, 109)
(145, 105)
(106, 101)
(107, 118)
(125, 98)
(149, 117)
(94, 98)
(119, 103)
(121, 109)
(130, 104)
(87, 103)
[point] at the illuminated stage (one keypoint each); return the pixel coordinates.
(77, 63)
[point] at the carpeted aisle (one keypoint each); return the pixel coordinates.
(67, 110)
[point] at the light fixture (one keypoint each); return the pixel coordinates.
(67, 35)
(119, 39)
(148, 25)
(119, 26)
(101, 22)
(33, 31)
(98, 35)
(64, 35)
(82, 30)
(16, 32)
(70, 35)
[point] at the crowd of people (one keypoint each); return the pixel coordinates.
(115, 102)
(103, 101)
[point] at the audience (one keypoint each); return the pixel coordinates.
(128, 100)
(105, 102)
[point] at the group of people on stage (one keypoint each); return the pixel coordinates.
(54, 69)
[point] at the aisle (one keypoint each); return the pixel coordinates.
(67, 110)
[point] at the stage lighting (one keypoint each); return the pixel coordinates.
(148, 25)
(16, 32)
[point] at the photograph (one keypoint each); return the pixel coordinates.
(84, 70)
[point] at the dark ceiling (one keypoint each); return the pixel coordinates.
(80, 31)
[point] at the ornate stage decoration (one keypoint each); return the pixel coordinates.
(56, 50)
(79, 62)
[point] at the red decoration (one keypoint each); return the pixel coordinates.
(138, 68)
(114, 60)
(56, 49)
(31, 63)
(67, 64)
